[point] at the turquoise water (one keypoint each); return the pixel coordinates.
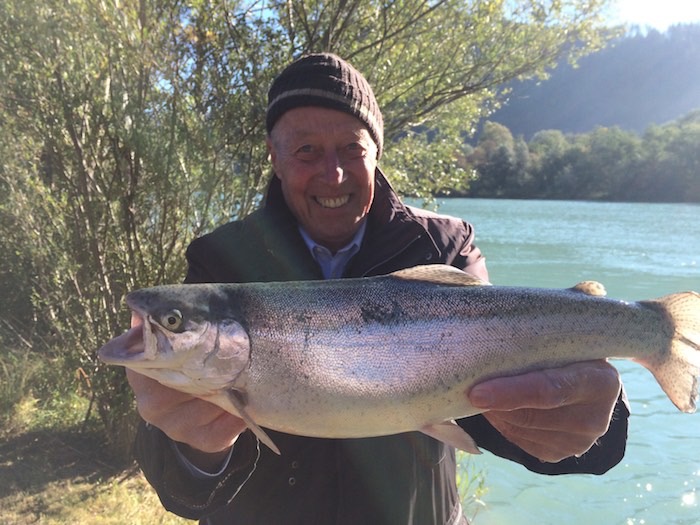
(638, 251)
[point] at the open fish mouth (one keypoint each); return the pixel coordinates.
(138, 346)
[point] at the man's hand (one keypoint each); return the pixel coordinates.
(552, 414)
(207, 430)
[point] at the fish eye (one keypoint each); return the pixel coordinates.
(172, 320)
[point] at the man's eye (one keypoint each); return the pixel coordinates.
(354, 150)
(306, 151)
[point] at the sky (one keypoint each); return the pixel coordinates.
(659, 14)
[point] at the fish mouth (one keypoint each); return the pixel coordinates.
(333, 202)
(138, 346)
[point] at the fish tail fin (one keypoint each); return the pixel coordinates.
(678, 369)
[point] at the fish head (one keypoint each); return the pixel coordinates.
(184, 336)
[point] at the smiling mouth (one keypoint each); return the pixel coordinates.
(333, 202)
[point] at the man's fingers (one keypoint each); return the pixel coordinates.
(556, 447)
(184, 418)
(555, 413)
(548, 389)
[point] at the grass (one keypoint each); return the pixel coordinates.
(49, 481)
(55, 473)
(471, 485)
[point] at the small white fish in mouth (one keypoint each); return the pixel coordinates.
(333, 202)
(382, 355)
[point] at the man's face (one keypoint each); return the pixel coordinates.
(325, 160)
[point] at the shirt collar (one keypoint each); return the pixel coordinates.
(333, 265)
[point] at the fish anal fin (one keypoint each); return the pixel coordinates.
(452, 434)
(439, 274)
(233, 403)
(593, 288)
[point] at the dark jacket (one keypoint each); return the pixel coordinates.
(401, 479)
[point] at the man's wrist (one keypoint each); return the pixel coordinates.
(202, 463)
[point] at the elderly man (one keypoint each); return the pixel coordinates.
(330, 213)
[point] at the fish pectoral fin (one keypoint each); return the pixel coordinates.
(439, 274)
(239, 409)
(452, 434)
(590, 288)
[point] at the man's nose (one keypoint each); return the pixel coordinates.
(333, 168)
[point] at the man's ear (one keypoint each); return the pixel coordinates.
(271, 153)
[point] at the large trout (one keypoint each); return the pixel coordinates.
(374, 356)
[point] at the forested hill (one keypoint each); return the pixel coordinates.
(642, 79)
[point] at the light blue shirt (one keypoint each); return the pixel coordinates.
(333, 264)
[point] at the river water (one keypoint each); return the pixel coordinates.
(638, 251)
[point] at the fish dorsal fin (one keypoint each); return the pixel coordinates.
(590, 288)
(439, 274)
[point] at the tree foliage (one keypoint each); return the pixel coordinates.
(662, 165)
(128, 127)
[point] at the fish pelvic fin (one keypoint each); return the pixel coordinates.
(452, 434)
(239, 409)
(439, 274)
(678, 369)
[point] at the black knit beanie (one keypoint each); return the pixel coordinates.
(329, 81)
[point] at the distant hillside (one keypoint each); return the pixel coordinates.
(640, 80)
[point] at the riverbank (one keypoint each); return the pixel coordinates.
(54, 476)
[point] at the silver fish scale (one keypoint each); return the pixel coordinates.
(406, 351)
